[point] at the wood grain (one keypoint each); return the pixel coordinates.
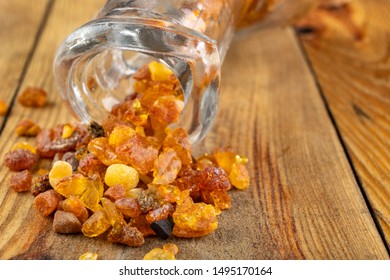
(20, 22)
(304, 202)
(351, 60)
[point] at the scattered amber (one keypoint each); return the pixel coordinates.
(96, 225)
(3, 107)
(167, 252)
(27, 128)
(167, 109)
(60, 170)
(33, 97)
(239, 176)
(89, 256)
(66, 222)
(21, 181)
(20, 159)
(47, 202)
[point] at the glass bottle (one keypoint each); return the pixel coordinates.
(94, 65)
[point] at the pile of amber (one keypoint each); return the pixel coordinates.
(131, 176)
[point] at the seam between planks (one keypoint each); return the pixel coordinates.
(340, 137)
(26, 65)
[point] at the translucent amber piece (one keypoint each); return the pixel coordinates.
(178, 140)
(139, 153)
(121, 174)
(166, 193)
(112, 212)
(160, 213)
(27, 128)
(89, 256)
(225, 158)
(97, 224)
(24, 146)
(74, 206)
(239, 176)
(167, 109)
(3, 107)
(21, 181)
(128, 206)
(167, 252)
(100, 148)
(60, 170)
(33, 97)
(136, 114)
(142, 225)
(115, 192)
(194, 219)
(159, 72)
(67, 131)
(125, 234)
(221, 199)
(88, 191)
(166, 167)
(120, 135)
(47, 202)
(90, 166)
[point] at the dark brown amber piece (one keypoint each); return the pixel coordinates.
(20, 159)
(40, 185)
(66, 222)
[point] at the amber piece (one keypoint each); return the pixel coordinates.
(74, 206)
(96, 225)
(89, 256)
(88, 191)
(95, 130)
(166, 193)
(3, 107)
(50, 142)
(66, 222)
(166, 167)
(239, 176)
(110, 123)
(47, 202)
(136, 114)
(167, 252)
(70, 157)
(20, 159)
(21, 181)
(153, 91)
(138, 153)
(159, 72)
(33, 97)
(115, 192)
(194, 219)
(27, 128)
(120, 135)
(221, 199)
(149, 199)
(90, 166)
(160, 213)
(40, 185)
(142, 225)
(167, 109)
(112, 212)
(60, 170)
(128, 206)
(125, 234)
(100, 148)
(178, 140)
(67, 131)
(24, 146)
(121, 174)
(225, 158)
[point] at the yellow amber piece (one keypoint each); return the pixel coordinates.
(121, 174)
(88, 191)
(89, 256)
(171, 248)
(166, 167)
(113, 214)
(239, 176)
(60, 170)
(97, 224)
(24, 146)
(120, 135)
(101, 149)
(225, 159)
(67, 131)
(133, 193)
(159, 72)
(167, 252)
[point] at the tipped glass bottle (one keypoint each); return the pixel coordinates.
(189, 37)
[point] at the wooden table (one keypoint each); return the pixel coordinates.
(311, 112)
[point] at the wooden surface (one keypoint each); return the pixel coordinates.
(310, 112)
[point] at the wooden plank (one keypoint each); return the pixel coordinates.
(350, 58)
(19, 21)
(303, 202)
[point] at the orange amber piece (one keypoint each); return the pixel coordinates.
(21, 181)
(221, 199)
(126, 234)
(120, 135)
(88, 191)
(27, 128)
(166, 167)
(194, 219)
(167, 252)
(160, 213)
(47, 202)
(3, 107)
(136, 114)
(112, 212)
(115, 192)
(225, 159)
(74, 206)
(178, 140)
(90, 166)
(97, 224)
(139, 153)
(142, 225)
(167, 109)
(128, 206)
(239, 176)
(101, 149)
(33, 97)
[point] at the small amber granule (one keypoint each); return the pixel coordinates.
(3, 107)
(96, 225)
(121, 174)
(21, 181)
(89, 256)
(47, 202)
(25, 146)
(60, 170)
(20, 159)
(126, 234)
(27, 128)
(66, 222)
(75, 206)
(167, 252)
(33, 97)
